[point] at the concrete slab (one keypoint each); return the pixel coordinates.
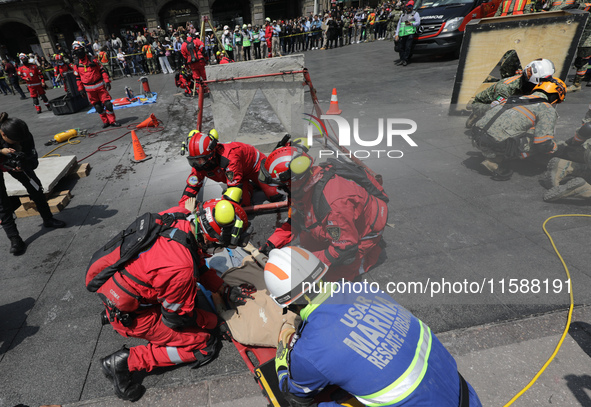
(50, 171)
(284, 93)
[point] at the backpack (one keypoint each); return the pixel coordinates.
(347, 170)
(107, 264)
(193, 57)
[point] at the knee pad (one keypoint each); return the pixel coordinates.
(36, 100)
(98, 107)
(108, 105)
(44, 98)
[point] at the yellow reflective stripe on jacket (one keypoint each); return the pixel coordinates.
(402, 387)
(519, 6)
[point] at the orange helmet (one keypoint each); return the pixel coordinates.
(221, 222)
(554, 87)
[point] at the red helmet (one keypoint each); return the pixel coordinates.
(58, 57)
(202, 150)
(284, 165)
(221, 222)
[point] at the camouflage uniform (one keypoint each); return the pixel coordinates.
(558, 5)
(583, 52)
(573, 164)
(499, 91)
(508, 136)
(393, 23)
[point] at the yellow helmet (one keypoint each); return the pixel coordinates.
(224, 213)
(233, 194)
(213, 133)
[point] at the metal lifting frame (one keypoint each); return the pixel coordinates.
(307, 82)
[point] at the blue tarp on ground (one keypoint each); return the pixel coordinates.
(140, 102)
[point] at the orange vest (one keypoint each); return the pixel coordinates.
(103, 57)
(518, 7)
(148, 50)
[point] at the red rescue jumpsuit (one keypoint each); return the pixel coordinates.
(59, 71)
(167, 267)
(31, 74)
(269, 39)
(91, 78)
(348, 238)
(239, 164)
(183, 83)
(195, 59)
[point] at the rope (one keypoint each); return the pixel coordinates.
(570, 309)
(105, 146)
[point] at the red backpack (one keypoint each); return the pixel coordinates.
(107, 264)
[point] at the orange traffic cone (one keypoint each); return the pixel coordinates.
(151, 121)
(138, 150)
(334, 103)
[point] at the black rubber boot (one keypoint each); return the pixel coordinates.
(17, 246)
(54, 223)
(116, 369)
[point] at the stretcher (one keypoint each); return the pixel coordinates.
(263, 371)
(261, 363)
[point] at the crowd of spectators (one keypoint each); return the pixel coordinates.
(142, 52)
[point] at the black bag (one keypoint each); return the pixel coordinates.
(396, 46)
(139, 236)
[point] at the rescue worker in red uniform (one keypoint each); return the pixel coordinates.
(60, 68)
(173, 316)
(269, 36)
(92, 79)
(223, 58)
(191, 50)
(335, 218)
(184, 80)
(235, 164)
(30, 73)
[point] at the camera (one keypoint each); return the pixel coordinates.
(14, 160)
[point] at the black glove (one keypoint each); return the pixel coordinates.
(267, 248)
(108, 86)
(238, 295)
(562, 150)
(225, 330)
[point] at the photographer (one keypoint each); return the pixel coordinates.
(18, 157)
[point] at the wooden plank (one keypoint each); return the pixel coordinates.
(551, 35)
(56, 204)
(80, 170)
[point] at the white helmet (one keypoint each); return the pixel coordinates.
(290, 272)
(538, 70)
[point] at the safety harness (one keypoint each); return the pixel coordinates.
(106, 268)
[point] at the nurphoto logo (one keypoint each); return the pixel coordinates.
(392, 129)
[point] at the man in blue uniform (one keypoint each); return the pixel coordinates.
(365, 343)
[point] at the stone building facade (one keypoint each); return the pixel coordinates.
(39, 25)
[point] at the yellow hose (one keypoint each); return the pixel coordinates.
(570, 309)
(69, 141)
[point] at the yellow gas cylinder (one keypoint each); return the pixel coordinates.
(65, 135)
